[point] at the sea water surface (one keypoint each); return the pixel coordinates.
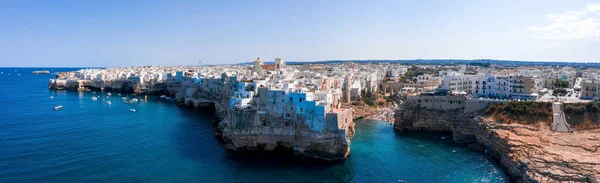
(91, 141)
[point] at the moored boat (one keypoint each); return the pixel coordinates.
(132, 110)
(94, 98)
(57, 107)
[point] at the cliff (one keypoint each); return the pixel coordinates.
(528, 153)
(241, 131)
(304, 142)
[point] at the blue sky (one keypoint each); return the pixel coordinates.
(124, 33)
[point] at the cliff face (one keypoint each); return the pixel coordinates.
(528, 153)
(327, 145)
(126, 86)
(250, 131)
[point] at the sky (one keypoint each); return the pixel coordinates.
(125, 33)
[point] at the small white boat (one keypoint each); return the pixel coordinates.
(57, 107)
(119, 94)
(94, 98)
(124, 98)
(109, 94)
(51, 97)
(108, 102)
(132, 110)
(134, 100)
(163, 96)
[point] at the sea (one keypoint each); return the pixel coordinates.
(91, 141)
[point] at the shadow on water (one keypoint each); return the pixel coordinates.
(194, 136)
(444, 141)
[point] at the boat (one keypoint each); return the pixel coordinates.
(124, 98)
(109, 94)
(94, 98)
(119, 94)
(51, 97)
(41, 72)
(108, 102)
(163, 96)
(132, 110)
(93, 92)
(134, 100)
(57, 107)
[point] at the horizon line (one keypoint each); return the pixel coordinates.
(317, 61)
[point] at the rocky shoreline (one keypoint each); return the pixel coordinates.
(299, 140)
(528, 153)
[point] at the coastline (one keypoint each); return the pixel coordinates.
(527, 153)
(243, 133)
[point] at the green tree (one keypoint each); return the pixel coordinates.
(561, 84)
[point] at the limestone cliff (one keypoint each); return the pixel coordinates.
(328, 145)
(240, 131)
(528, 153)
(246, 130)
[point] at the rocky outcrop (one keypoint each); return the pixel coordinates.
(528, 153)
(328, 145)
(250, 134)
(125, 86)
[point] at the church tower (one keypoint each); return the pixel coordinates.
(279, 64)
(257, 68)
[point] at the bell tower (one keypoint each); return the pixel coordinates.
(279, 64)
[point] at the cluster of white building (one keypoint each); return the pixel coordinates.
(312, 91)
(502, 82)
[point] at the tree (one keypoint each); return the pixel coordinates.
(561, 84)
(559, 92)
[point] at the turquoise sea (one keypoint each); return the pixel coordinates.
(90, 141)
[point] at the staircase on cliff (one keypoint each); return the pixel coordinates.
(559, 122)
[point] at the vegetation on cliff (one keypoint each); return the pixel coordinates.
(521, 112)
(583, 115)
(579, 115)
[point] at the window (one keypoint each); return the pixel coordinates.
(291, 99)
(301, 100)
